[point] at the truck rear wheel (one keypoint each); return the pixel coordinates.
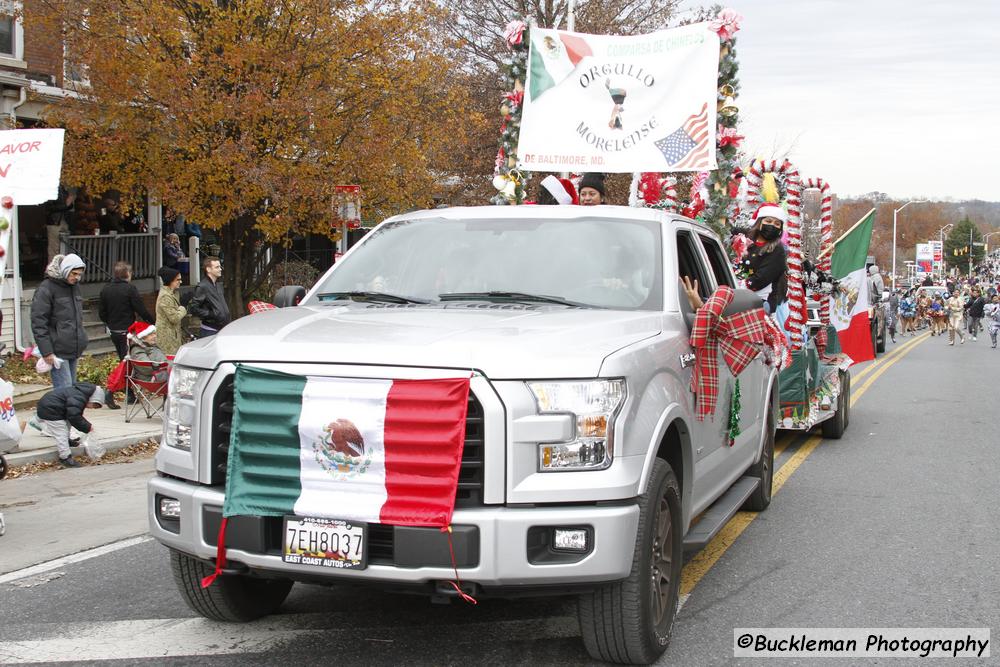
(834, 428)
(231, 598)
(630, 621)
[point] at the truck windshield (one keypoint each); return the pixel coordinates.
(591, 262)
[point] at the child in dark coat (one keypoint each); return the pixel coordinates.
(62, 408)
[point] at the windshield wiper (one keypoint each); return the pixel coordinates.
(509, 296)
(370, 296)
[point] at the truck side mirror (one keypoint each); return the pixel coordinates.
(289, 295)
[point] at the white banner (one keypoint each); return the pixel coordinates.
(30, 164)
(621, 104)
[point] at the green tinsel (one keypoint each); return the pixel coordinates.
(734, 414)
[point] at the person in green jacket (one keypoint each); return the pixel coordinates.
(169, 312)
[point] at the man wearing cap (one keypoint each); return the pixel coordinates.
(62, 408)
(57, 318)
(121, 305)
(592, 191)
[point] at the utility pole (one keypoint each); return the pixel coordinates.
(970, 252)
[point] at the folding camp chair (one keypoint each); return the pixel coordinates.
(148, 395)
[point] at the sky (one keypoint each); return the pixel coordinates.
(896, 96)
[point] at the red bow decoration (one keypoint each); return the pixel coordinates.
(694, 209)
(728, 137)
(740, 337)
(516, 97)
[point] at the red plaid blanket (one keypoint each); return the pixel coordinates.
(740, 337)
(260, 306)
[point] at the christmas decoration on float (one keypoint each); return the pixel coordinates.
(507, 178)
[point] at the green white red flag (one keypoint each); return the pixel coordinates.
(849, 307)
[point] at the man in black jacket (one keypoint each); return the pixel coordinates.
(62, 408)
(57, 318)
(120, 306)
(974, 311)
(208, 303)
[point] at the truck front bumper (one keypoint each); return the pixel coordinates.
(502, 546)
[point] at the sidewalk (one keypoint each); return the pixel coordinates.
(109, 425)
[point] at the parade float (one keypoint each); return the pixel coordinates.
(815, 385)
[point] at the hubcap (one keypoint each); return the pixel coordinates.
(662, 561)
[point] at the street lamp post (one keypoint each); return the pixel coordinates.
(986, 237)
(894, 212)
(941, 240)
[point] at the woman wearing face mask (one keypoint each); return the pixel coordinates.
(766, 263)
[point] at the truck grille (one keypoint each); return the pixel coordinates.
(470, 477)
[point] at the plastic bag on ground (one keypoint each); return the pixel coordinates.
(94, 448)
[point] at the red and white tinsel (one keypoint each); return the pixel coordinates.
(825, 236)
(793, 198)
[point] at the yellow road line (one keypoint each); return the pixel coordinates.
(855, 395)
(881, 362)
(699, 566)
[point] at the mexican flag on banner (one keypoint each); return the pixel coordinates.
(849, 307)
(379, 451)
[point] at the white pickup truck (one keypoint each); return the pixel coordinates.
(584, 470)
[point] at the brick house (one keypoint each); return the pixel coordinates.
(35, 73)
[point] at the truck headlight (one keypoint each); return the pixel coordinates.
(594, 403)
(181, 396)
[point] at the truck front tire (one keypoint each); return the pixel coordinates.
(630, 621)
(230, 598)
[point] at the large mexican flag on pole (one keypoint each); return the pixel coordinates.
(849, 307)
(379, 451)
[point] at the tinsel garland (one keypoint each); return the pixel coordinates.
(722, 207)
(734, 414)
(507, 178)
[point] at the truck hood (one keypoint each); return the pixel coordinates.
(504, 341)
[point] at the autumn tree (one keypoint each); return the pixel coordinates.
(244, 114)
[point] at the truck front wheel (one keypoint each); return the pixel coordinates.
(630, 621)
(230, 598)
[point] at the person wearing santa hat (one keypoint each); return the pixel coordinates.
(766, 262)
(553, 190)
(142, 347)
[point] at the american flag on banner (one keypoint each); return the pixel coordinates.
(687, 147)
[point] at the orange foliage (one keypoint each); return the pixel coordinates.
(244, 114)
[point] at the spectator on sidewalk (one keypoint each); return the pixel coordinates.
(61, 408)
(169, 312)
(209, 303)
(120, 306)
(57, 318)
(142, 347)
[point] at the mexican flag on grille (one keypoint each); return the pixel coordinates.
(849, 307)
(379, 451)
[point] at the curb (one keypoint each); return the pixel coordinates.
(52, 454)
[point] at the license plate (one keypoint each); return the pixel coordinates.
(324, 543)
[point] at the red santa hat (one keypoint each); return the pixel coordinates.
(561, 189)
(771, 211)
(140, 330)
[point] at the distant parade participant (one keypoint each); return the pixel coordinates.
(974, 311)
(992, 313)
(892, 314)
(908, 314)
(955, 305)
(592, 192)
(938, 316)
(923, 305)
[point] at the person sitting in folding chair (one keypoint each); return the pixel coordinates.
(146, 374)
(142, 348)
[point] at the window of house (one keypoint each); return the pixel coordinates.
(7, 42)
